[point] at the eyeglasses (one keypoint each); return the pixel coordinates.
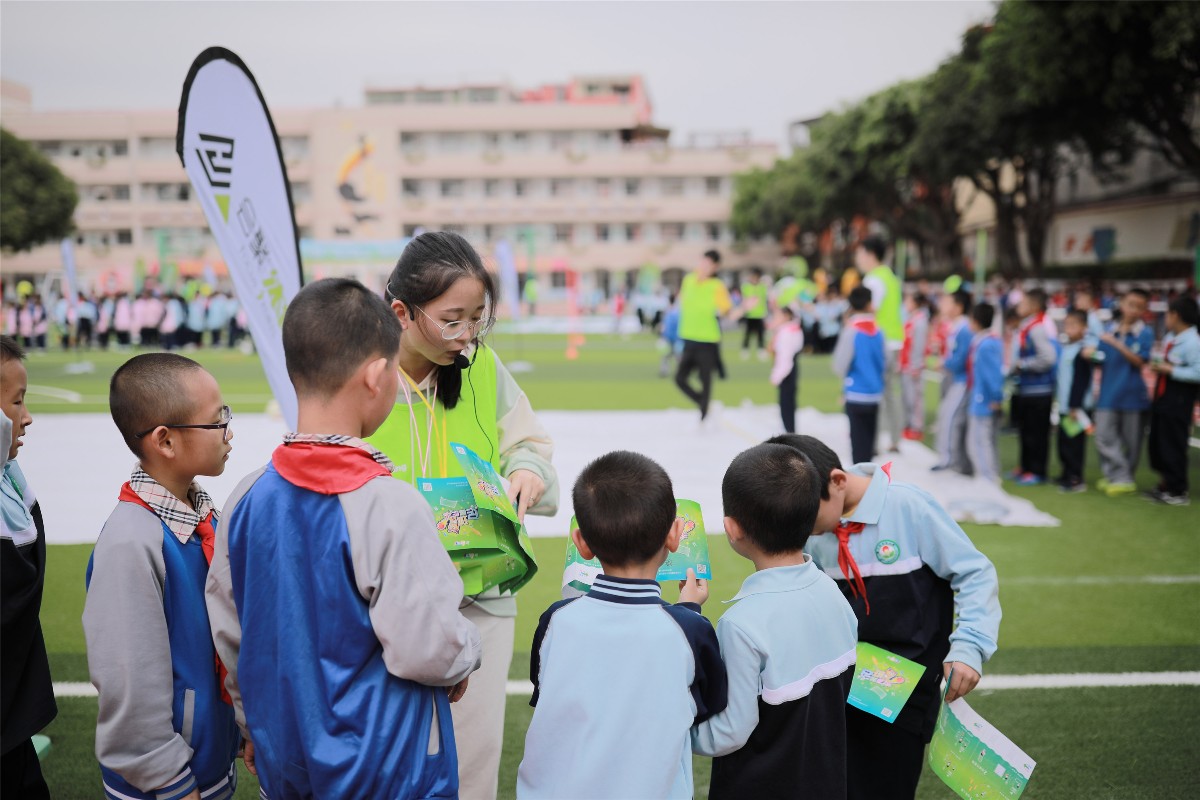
(223, 425)
(453, 330)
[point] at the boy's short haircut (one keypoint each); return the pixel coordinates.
(331, 327)
(822, 458)
(1079, 315)
(1140, 292)
(713, 256)
(1011, 315)
(875, 245)
(962, 299)
(1038, 297)
(860, 298)
(756, 272)
(920, 300)
(773, 492)
(147, 391)
(10, 349)
(625, 506)
(1187, 309)
(983, 314)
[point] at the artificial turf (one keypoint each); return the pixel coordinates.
(1115, 588)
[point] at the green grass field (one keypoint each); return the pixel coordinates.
(1084, 597)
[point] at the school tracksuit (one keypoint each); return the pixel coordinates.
(1073, 391)
(1122, 405)
(1037, 356)
(859, 358)
(985, 385)
(952, 413)
(1171, 411)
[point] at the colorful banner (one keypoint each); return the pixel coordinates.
(974, 759)
(229, 147)
(72, 280)
(509, 284)
(883, 681)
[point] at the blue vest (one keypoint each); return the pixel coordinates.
(1037, 383)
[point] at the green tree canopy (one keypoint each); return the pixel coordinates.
(36, 200)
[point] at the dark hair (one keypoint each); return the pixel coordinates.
(875, 245)
(756, 272)
(331, 327)
(1037, 295)
(147, 391)
(1186, 308)
(1011, 314)
(9, 349)
(713, 256)
(1079, 315)
(822, 458)
(625, 506)
(962, 299)
(860, 298)
(920, 300)
(1140, 292)
(428, 267)
(983, 314)
(773, 492)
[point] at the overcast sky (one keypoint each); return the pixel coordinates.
(709, 66)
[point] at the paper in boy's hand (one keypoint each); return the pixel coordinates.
(974, 759)
(693, 552)
(484, 481)
(883, 681)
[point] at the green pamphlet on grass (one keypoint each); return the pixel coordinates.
(974, 759)
(579, 573)
(883, 681)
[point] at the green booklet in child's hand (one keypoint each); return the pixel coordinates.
(579, 573)
(478, 526)
(973, 758)
(883, 681)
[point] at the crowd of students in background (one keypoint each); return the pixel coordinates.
(149, 319)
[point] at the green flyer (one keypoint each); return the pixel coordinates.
(883, 682)
(478, 526)
(974, 759)
(578, 573)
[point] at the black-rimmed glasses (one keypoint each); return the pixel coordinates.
(223, 425)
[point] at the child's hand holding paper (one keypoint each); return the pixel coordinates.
(693, 590)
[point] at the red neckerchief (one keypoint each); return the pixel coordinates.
(1160, 385)
(207, 534)
(846, 562)
(1037, 319)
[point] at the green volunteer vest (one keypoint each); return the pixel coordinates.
(889, 318)
(472, 422)
(698, 310)
(752, 292)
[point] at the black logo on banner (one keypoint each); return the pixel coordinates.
(217, 160)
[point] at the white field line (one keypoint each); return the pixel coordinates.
(1194, 442)
(1073, 680)
(1101, 580)
(66, 395)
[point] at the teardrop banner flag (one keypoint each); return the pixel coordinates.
(229, 147)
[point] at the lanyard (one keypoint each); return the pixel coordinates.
(430, 404)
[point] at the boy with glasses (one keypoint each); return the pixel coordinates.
(165, 728)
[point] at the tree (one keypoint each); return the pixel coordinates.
(36, 200)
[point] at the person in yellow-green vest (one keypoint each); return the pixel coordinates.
(887, 298)
(454, 388)
(703, 300)
(754, 313)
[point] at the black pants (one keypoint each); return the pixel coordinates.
(1072, 451)
(787, 398)
(1169, 451)
(883, 761)
(864, 419)
(1034, 426)
(754, 327)
(21, 774)
(702, 356)
(84, 335)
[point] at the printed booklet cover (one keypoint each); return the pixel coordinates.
(974, 759)
(693, 552)
(883, 681)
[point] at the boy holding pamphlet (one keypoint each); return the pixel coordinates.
(909, 571)
(619, 676)
(788, 643)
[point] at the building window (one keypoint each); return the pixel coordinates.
(451, 142)
(714, 231)
(712, 187)
(454, 188)
(429, 97)
(562, 187)
(459, 229)
(632, 187)
(520, 141)
(672, 187)
(558, 279)
(602, 232)
(560, 140)
(124, 236)
(521, 187)
(410, 142)
(491, 232)
(120, 147)
(410, 231)
(156, 147)
(482, 95)
(562, 232)
(491, 141)
(491, 188)
(603, 187)
(633, 232)
(672, 231)
(410, 187)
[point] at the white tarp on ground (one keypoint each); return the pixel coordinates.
(77, 462)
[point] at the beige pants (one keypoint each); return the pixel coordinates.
(479, 716)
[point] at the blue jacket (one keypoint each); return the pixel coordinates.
(1073, 387)
(987, 373)
(921, 572)
(789, 648)
(859, 358)
(1175, 394)
(335, 607)
(959, 346)
(1037, 357)
(1121, 385)
(619, 679)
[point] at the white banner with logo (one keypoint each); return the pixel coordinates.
(509, 284)
(230, 149)
(71, 290)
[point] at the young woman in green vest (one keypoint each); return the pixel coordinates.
(454, 388)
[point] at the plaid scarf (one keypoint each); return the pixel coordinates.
(342, 440)
(178, 517)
